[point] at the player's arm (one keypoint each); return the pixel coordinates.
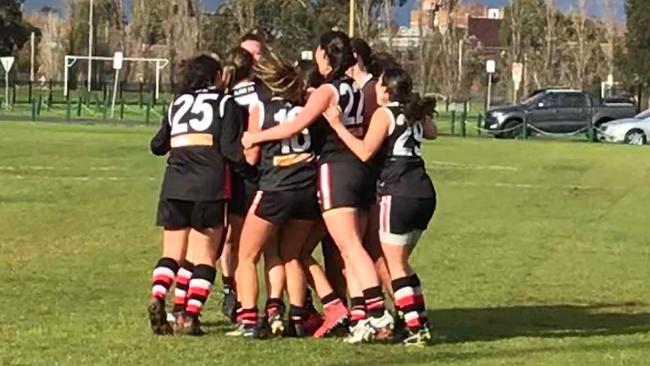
(316, 105)
(160, 143)
(255, 120)
(430, 128)
(371, 143)
(231, 131)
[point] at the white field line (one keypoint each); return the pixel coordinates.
(522, 185)
(73, 178)
(53, 168)
(462, 166)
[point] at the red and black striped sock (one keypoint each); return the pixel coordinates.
(419, 299)
(374, 301)
(357, 310)
(406, 301)
(200, 287)
(183, 278)
(163, 277)
(274, 306)
(247, 317)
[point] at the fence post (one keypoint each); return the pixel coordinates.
(38, 106)
(79, 107)
(13, 97)
(50, 98)
(140, 95)
(525, 130)
(121, 94)
(68, 111)
(447, 105)
(147, 113)
(30, 91)
(122, 110)
(590, 126)
(453, 122)
(479, 123)
(33, 109)
(463, 121)
(105, 111)
(104, 91)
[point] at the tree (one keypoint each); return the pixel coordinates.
(637, 40)
(14, 31)
(52, 47)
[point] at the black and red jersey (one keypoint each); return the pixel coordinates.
(403, 171)
(349, 98)
(201, 132)
(287, 164)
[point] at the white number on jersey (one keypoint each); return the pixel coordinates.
(199, 107)
(293, 144)
(415, 131)
(357, 118)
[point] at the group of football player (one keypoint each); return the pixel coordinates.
(268, 158)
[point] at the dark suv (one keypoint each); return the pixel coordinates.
(555, 111)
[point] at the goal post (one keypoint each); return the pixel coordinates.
(70, 60)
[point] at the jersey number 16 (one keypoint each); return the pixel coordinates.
(297, 143)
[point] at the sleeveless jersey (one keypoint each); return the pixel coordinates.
(287, 164)
(403, 172)
(201, 132)
(329, 146)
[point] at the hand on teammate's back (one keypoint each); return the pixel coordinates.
(248, 140)
(333, 115)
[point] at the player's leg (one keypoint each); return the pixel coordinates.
(275, 278)
(402, 223)
(256, 232)
(209, 220)
(293, 236)
(334, 268)
(373, 246)
(174, 217)
(229, 266)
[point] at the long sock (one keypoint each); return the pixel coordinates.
(406, 302)
(274, 306)
(329, 299)
(309, 302)
(419, 299)
(358, 310)
(375, 301)
(183, 278)
(247, 317)
(163, 277)
(297, 314)
(228, 283)
(200, 287)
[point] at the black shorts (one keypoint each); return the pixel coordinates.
(278, 207)
(344, 184)
(179, 214)
(243, 192)
(402, 220)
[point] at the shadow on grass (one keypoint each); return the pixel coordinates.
(455, 326)
(547, 321)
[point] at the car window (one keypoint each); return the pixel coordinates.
(573, 100)
(551, 100)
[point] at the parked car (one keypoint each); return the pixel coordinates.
(633, 131)
(555, 111)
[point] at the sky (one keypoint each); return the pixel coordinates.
(402, 14)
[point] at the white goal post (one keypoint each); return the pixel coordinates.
(70, 60)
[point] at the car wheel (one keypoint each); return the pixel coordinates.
(635, 137)
(513, 131)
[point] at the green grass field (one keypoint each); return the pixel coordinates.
(538, 255)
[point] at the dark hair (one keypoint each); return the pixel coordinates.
(381, 62)
(198, 72)
(310, 76)
(339, 51)
(281, 78)
(400, 89)
(237, 66)
(252, 36)
(363, 52)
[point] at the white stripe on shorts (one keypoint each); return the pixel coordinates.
(325, 189)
